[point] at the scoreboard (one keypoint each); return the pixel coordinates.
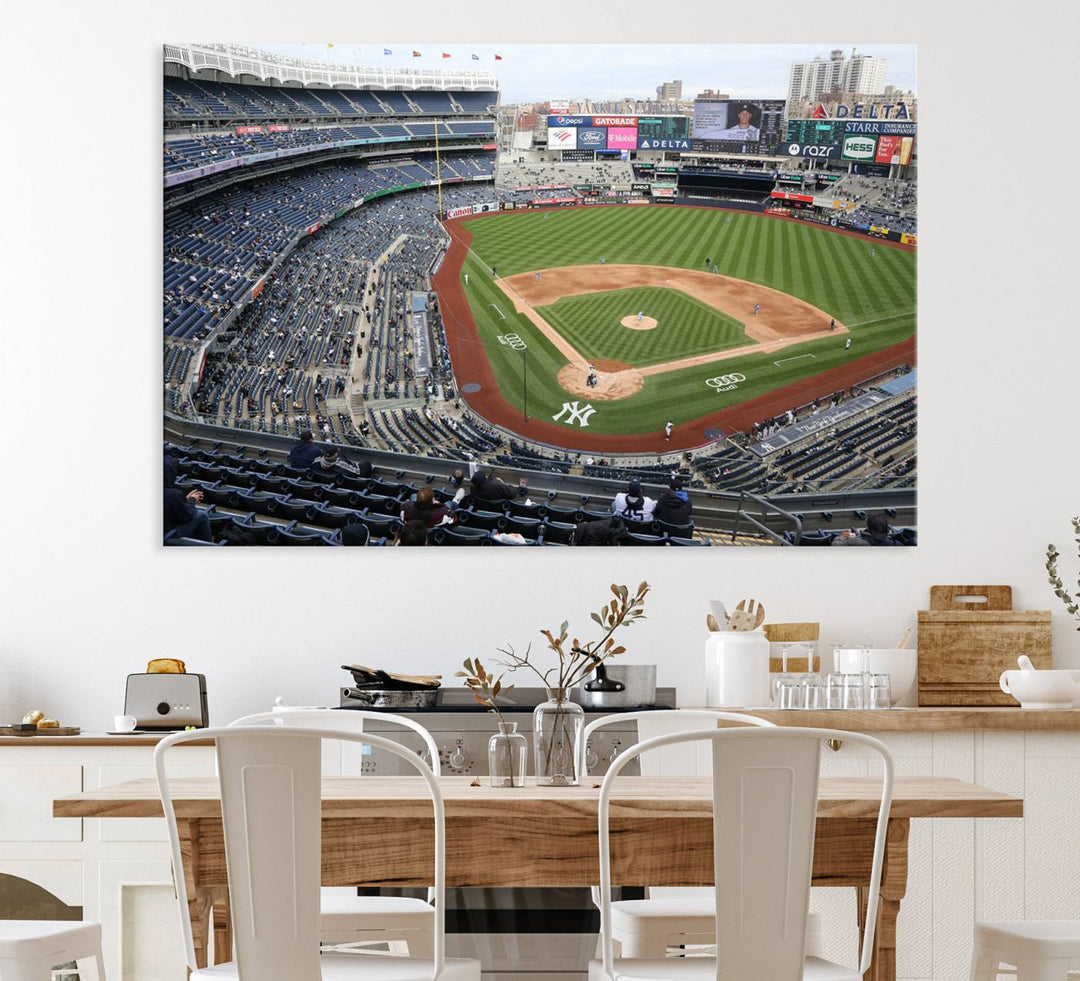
(663, 127)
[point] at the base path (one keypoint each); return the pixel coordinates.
(471, 365)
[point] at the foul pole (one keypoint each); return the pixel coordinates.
(438, 167)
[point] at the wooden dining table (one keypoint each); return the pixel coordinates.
(378, 832)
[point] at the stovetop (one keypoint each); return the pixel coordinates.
(518, 700)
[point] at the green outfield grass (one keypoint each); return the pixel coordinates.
(874, 295)
(686, 326)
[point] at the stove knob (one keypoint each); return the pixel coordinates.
(591, 757)
(458, 758)
(614, 752)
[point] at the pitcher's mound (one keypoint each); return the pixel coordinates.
(647, 323)
(614, 380)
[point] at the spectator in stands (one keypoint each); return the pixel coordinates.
(632, 504)
(332, 462)
(490, 488)
(877, 532)
(674, 505)
(603, 531)
(355, 534)
(849, 537)
(181, 514)
(426, 509)
(412, 533)
(304, 453)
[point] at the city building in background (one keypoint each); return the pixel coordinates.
(669, 91)
(859, 74)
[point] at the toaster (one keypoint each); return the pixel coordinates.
(165, 702)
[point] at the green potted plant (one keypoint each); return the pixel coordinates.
(1071, 600)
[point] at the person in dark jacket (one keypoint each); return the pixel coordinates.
(425, 508)
(603, 531)
(333, 463)
(305, 452)
(181, 514)
(487, 488)
(674, 505)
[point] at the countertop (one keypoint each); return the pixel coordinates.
(923, 719)
(854, 720)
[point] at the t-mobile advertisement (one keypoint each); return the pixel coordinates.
(622, 138)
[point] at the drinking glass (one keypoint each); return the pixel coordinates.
(879, 694)
(788, 692)
(834, 690)
(853, 691)
(785, 676)
(813, 691)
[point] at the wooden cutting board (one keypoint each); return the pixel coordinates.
(61, 731)
(964, 646)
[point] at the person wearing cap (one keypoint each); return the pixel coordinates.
(674, 505)
(305, 452)
(743, 130)
(490, 488)
(877, 532)
(632, 504)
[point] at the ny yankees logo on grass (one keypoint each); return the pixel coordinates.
(578, 414)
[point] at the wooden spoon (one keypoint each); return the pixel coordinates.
(747, 617)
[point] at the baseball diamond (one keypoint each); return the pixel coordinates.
(814, 289)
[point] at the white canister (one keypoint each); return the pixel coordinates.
(737, 669)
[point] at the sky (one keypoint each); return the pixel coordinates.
(538, 72)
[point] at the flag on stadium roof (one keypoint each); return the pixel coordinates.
(387, 51)
(445, 55)
(476, 57)
(416, 54)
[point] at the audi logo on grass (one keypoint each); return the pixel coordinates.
(725, 383)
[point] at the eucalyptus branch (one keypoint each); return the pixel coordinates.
(485, 687)
(1070, 601)
(517, 661)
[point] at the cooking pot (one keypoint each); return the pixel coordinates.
(619, 686)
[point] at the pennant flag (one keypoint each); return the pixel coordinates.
(416, 54)
(476, 57)
(445, 55)
(387, 51)
(498, 57)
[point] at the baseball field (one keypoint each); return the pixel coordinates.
(628, 326)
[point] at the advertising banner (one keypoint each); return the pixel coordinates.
(245, 130)
(640, 188)
(458, 212)
(664, 192)
(591, 138)
(792, 196)
(622, 138)
(833, 204)
(560, 105)
(560, 138)
(278, 128)
(615, 121)
(657, 143)
(879, 127)
(905, 150)
(888, 149)
(907, 239)
(859, 148)
(569, 120)
(820, 151)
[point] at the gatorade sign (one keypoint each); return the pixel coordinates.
(859, 147)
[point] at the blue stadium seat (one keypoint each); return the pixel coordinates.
(558, 531)
(488, 520)
(676, 531)
(635, 539)
(459, 535)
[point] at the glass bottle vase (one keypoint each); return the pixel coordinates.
(508, 755)
(557, 725)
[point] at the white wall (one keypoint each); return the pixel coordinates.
(88, 595)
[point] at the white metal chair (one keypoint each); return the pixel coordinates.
(765, 788)
(30, 949)
(1041, 950)
(674, 916)
(271, 810)
(399, 921)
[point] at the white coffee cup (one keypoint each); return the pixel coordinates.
(124, 723)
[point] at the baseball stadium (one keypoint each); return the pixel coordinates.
(401, 310)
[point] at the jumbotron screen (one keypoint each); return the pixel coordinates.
(742, 125)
